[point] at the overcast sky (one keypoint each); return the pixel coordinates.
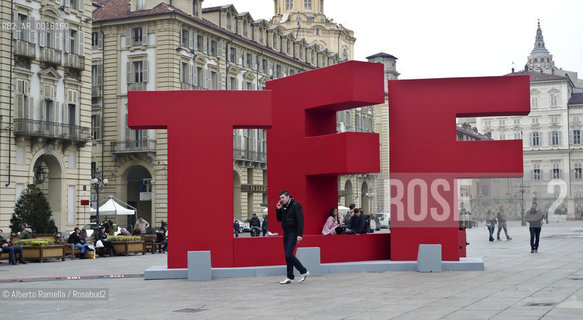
(452, 38)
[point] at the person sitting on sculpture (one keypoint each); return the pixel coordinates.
(332, 225)
(101, 241)
(357, 223)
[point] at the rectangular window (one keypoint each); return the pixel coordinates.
(308, 4)
(554, 120)
(536, 139)
(576, 136)
(95, 40)
(249, 60)
(554, 100)
(141, 5)
(21, 28)
(555, 138)
(534, 102)
(214, 81)
(95, 127)
(556, 171)
(502, 122)
(184, 37)
(137, 36)
(233, 83)
(502, 136)
(195, 8)
(534, 120)
(73, 42)
(138, 71)
(517, 122)
(578, 171)
(214, 48)
(232, 54)
(289, 4)
(536, 173)
(517, 135)
(185, 76)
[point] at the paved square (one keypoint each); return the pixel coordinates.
(515, 285)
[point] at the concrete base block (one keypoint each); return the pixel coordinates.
(199, 266)
(465, 264)
(247, 272)
(310, 258)
(162, 272)
(429, 258)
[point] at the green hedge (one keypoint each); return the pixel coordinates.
(124, 238)
(34, 242)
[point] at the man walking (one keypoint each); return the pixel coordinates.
(534, 217)
(502, 223)
(290, 213)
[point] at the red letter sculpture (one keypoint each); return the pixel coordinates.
(426, 159)
(200, 162)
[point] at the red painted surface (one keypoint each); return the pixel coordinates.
(304, 153)
(339, 248)
(200, 162)
(422, 115)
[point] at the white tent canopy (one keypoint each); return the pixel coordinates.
(110, 207)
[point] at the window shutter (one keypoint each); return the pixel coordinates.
(67, 40)
(32, 32)
(192, 70)
(81, 50)
(180, 72)
(530, 138)
(550, 138)
(129, 73)
(208, 79)
(26, 87)
(195, 76)
(58, 40)
(190, 40)
(28, 110)
(220, 48)
(145, 35)
(559, 137)
(205, 44)
(42, 38)
(100, 74)
(128, 133)
(571, 137)
(229, 83)
(128, 37)
(145, 78)
(219, 80)
(195, 41)
(19, 105)
(81, 5)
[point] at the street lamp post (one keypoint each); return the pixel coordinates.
(522, 189)
(98, 183)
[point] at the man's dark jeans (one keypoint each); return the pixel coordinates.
(289, 243)
(11, 251)
(534, 237)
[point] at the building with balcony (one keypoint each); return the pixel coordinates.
(550, 133)
(45, 113)
(178, 45)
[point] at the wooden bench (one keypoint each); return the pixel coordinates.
(149, 242)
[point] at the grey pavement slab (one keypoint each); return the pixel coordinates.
(514, 285)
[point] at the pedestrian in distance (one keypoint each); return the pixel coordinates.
(264, 227)
(534, 217)
(236, 227)
(501, 216)
(289, 212)
(491, 224)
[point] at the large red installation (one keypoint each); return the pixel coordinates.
(305, 156)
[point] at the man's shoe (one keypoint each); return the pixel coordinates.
(535, 251)
(286, 281)
(508, 238)
(304, 276)
(22, 262)
(532, 251)
(12, 262)
(498, 239)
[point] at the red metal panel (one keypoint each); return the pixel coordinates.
(423, 147)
